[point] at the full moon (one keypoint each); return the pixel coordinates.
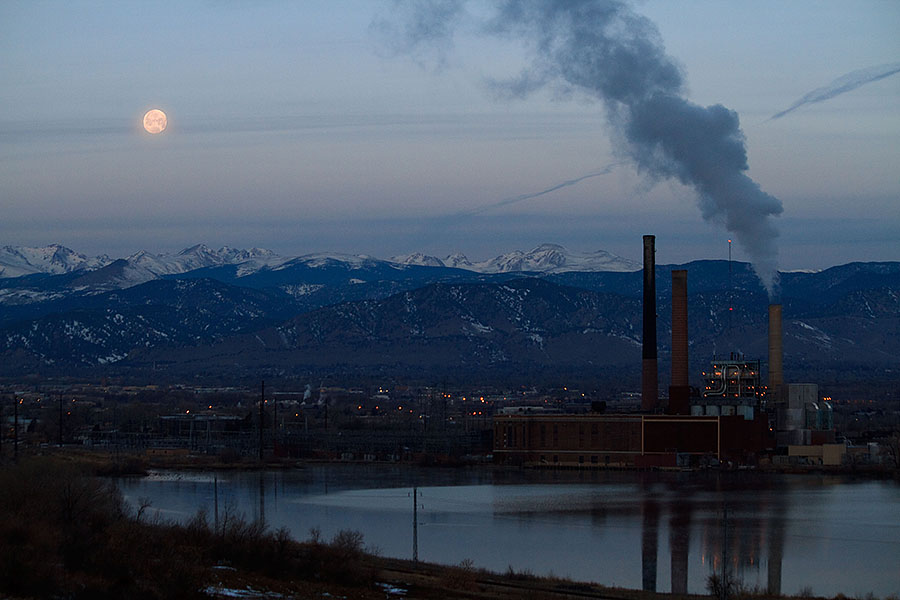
(155, 121)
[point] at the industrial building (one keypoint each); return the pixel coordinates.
(733, 418)
(626, 440)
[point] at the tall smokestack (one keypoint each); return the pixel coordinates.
(679, 391)
(776, 352)
(649, 375)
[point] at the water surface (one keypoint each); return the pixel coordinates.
(656, 531)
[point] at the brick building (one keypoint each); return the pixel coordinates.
(626, 440)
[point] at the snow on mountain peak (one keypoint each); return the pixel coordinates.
(554, 258)
(328, 259)
(458, 260)
(16, 261)
(201, 255)
(418, 259)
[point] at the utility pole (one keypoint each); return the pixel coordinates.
(60, 420)
(415, 525)
(262, 416)
(16, 430)
(323, 399)
(216, 500)
(116, 425)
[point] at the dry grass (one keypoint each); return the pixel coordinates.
(65, 533)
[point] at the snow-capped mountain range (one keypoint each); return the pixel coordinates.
(143, 266)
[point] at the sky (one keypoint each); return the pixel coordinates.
(307, 127)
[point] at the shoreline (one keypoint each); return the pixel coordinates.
(106, 464)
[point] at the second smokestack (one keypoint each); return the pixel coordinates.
(679, 391)
(649, 373)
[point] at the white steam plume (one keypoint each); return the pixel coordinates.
(604, 49)
(844, 83)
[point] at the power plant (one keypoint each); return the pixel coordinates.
(733, 418)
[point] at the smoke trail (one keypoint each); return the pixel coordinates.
(516, 199)
(604, 49)
(845, 83)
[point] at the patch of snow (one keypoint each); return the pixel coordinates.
(476, 326)
(112, 358)
(630, 340)
(391, 590)
(14, 297)
(248, 592)
(816, 332)
(302, 289)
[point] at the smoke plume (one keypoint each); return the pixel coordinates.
(604, 49)
(842, 84)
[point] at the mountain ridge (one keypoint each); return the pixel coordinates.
(843, 320)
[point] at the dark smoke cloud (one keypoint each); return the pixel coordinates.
(845, 83)
(605, 50)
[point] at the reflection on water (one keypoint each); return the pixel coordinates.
(679, 545)
(656, 531)
(649, 543)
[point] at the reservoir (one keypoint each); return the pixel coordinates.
(643, 530)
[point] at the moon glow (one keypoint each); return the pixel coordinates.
(155, 121)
